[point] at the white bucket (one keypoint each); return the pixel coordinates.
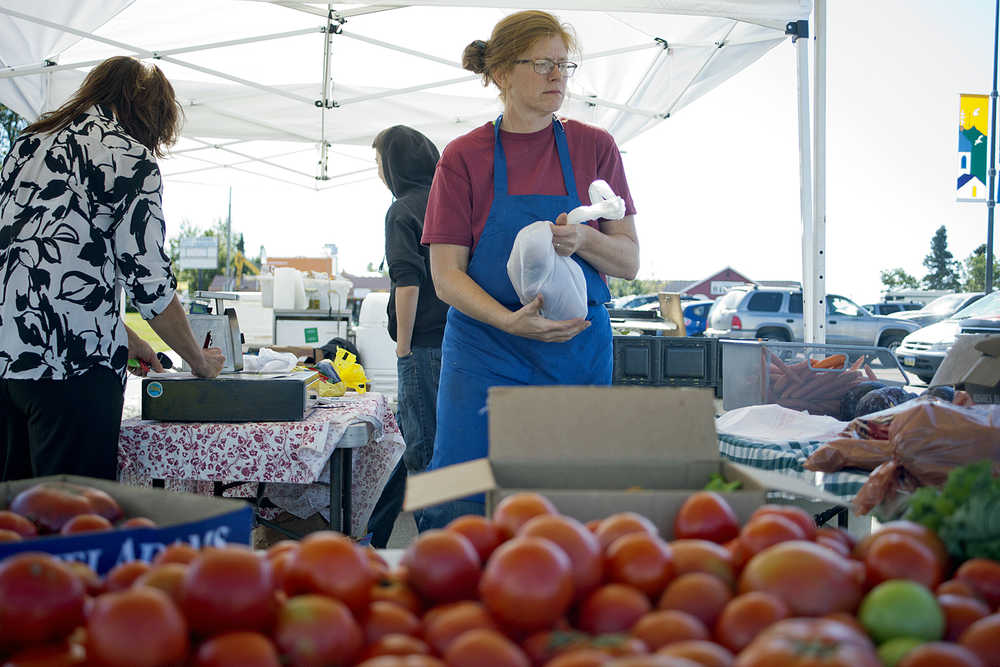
(289, 289)
(378, 350)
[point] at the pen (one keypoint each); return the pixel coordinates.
(208, 340)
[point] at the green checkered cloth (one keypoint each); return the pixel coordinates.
(788, 459)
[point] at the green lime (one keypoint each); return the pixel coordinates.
(901, 608)
(894, 650)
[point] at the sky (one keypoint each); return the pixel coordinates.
(717, 184)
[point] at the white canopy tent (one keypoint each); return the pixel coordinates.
(296, 90)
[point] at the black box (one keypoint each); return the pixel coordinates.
(666, 361)
(235, 397)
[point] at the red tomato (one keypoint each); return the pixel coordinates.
(738, 552)
(85, 523)
(379, 567)
(102, 503)
(745, 617)
(940, 654)
(810, 579)
(578, 543)
(706, 516)
(396, 645)
(583, 657)
(834, 545)
(63, 654)
(796, 515)
(542, 647)
(848, 619)
(983, 639)
(442, 566)
(237, 649)
(612, 608)
(766, 530)
(960, 612)
(138, 522)
(40, 599)
(527, 584)
(703, 652)
(666, 626)
(178, 552)
(395, 590)
(911, 529)
(225, 590)
(330, 564)
(139, 627)
(484, 534)
(983, 576)
(316, 631)
(809, 642)
(514, 511)
(623, 523)
(898, 556)
(699, 594)
(703, 556)
(958, 587)
(386, 618)
(640, 560)
(124, 575)
(50, 505)
(17, 523)
(443, 624)
(402, 661)
(279, 568)
(280, 547)
(838, 534)
(168, 578)
(10, 536)
(485, 648)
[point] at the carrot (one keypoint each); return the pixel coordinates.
(833, 361)
(857, 363)
(870, 373)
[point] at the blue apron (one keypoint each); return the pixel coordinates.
(476, 356)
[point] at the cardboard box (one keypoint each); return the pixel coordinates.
(181, 517)
(595, 451)
(973, 365)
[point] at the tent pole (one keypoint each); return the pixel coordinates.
(991, 203)
(818, 249)
(324, 101)
(813, 305)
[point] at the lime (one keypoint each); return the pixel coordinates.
(894, 650)
(901, 608)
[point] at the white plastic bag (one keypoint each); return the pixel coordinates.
(535, 268)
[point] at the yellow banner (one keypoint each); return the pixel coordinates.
(973, 131)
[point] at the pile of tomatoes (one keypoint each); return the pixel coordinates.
(528, 587)
(63, 508)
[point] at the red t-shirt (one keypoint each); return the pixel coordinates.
(462, 192)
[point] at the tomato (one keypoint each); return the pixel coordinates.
(92, 583)
(17, 523)
(40, 599)
(833, 544)
(738, 552)
(402, 661)
(983, 576)
(809, 578)
(578, 543)
(527, 584)
(809, 642)
(703, 652)
(586, 657)
(898, 556)
(237, 649)
(940, 654)
(706, 516)
(911, 529)
(612, 608)
(767, 530)
(958, 587)
(848, 619)
(959, 613)
(225, 590)
(10, 536)
(442, 566)
(122, 576)
(279, 568)
(796, 515)
(139, 627)
(386, 618)
(395, 644)
(168, 578)
(666, 626)
(280, 547)
(85, 523)
(484, 534)
(50, 505)
(443, 624)
(178, 552)
(63, 654)
(485, 648)
(101, 503)
(623, 523)
(138, 522)
(699, 594)
(395, 590)
(745, 617)
(839, 534)
(514, 511)
(330, 564)
(379, 567)
(652, 661)
(703, 556)
(541, 647)
(983, 639)
(317, 631)
(640, 560)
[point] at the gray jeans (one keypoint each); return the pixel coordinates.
(418, 374)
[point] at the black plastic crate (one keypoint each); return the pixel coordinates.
(666, 361)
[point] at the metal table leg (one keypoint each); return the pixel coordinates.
(337, 485)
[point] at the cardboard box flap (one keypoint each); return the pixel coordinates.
(959, 360)
(768, 479)
(614, 423)
(624, 475)
(990, 346)
(984, 373)
(450, 483)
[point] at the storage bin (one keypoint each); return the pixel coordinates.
(659, 361)
(377, 349)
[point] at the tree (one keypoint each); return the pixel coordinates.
(10, 126)
(975, 270)
(940, 263)
(201, 278)
(622, 287)
(897, 278)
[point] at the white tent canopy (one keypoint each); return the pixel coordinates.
(296, 91)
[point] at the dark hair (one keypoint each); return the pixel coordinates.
(140, 96)
(513, 35)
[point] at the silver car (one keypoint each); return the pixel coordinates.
(940, 308)
(772, 313)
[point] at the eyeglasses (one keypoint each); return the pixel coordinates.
(545, 66)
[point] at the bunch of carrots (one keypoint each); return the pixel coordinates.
(813, 385)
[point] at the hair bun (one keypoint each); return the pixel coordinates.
(474, 56)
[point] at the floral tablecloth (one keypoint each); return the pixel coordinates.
(293, 458)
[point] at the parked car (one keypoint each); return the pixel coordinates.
(940, 308)
(633, 301)
(775, 313)
(923, 350)
(696, 317)
(890, 307)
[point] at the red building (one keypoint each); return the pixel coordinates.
(719, 283)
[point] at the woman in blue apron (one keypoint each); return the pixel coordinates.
(490, 184)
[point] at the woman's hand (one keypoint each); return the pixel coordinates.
(142, 352)
(568, 239)
(528, 323)
(211, 363)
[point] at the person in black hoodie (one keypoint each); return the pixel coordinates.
(406, 162)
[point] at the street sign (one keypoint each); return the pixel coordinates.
(199, 252)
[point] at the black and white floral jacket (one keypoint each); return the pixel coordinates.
(79, 215)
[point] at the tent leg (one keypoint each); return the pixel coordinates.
(818, 249)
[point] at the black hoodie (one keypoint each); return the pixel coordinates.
(408, 162)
